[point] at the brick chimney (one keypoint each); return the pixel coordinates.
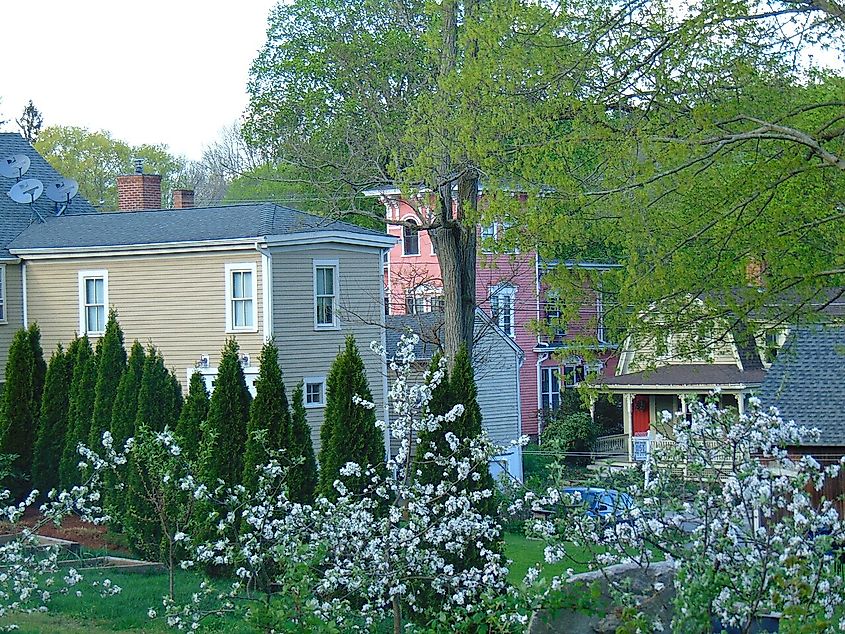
(138, 191)
(755, 272)
(183, 198)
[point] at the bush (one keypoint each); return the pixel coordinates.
(607, 414)
(571, 433)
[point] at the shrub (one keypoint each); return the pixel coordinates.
(110, 368)
(80, 409)
(193, 416)
(302, 476)
(571, 433)
(125, 408)
(50, 437)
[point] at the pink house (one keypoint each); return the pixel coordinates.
(509, 287)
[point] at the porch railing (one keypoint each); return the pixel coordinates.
(615, 446)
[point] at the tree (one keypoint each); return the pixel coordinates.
(349, 432)
(21, 404)
(30, 122)
(224, 435)
(96, 159)
(158, 403)
(193, 416)
(111, 365)
(125, 409)
(52, 423)
(301, 479)
(268, 429)
(80, 409)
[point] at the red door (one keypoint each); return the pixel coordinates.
(640, 416)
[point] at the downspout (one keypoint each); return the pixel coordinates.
(387, 434)
(23, 284)
(266, 290)
(543, 357)
(519, 364)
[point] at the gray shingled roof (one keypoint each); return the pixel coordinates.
(177, 225)
(15, 217)
(428, 326)
(689, 374)
(807, 381)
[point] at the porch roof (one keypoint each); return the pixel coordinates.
(702, 376)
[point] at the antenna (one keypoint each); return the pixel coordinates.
(26, 191)
(61, 192)
(14, 166)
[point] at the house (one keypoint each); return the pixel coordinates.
(665, 371)
(510, 289)
(14, 218)
(186, 279)
(497, 361)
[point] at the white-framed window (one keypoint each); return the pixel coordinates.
(325, 294)
(549, 388)
(553, 318)
(600, 316)
(93, 302)
(315, 391)
(410, 238)
(241, 297)
(415, 304)
(502, 306)
(573, 374)
(494, 232)
(3, 317)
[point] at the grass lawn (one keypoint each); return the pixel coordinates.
(127, 611)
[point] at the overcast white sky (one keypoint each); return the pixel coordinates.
(150, 71)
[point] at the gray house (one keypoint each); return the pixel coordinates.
(496, 362)
(187, 279)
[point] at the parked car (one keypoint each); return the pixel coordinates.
(607, 505)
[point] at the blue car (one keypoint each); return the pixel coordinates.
(606, 505)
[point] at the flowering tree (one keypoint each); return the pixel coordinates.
(738, 517)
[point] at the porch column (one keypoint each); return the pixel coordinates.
(627, 424)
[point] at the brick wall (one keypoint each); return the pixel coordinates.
(183, 198)
(138, 191)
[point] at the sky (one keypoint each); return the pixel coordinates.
(151, 71)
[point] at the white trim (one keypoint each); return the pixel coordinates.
(266, 292)
(502, 290)
(308, 237)
(325, 264)
(24, 292)
(4, 318)
(312, 380)
(384, 388)
(416, 221)
(241, 267)
(81, 277)
(667, 389)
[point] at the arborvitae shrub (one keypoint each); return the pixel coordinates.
(125, 409)
(110, 368)
(158, 404)
(302, 476)
(52, 425)
(193, 416)
(269, 417)
(80, 410)
(349, 432)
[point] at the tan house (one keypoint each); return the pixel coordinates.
(186, 279)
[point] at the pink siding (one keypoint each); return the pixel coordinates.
(520, 271)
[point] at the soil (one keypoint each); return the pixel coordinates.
(73, 529)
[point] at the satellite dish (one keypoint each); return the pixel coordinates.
(62, 191)
(14, 166)
(26, 191)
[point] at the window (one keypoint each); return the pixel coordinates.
(410, 238)
(502, 306)
(415, 304)
(495, 232)
(315, 391)
(2, 293)
(325, 294)
(549, 388)
(437, 305)
(241, 301)
(600, 316)
(573, 374)
(93, 300)
(552, 317)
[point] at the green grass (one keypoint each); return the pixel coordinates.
(524, 553)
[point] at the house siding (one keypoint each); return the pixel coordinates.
(14, 313)
(643, 354)
(174, 302)
(306, 352)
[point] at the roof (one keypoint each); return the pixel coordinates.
(693, 375)
(807, 381)
(429, 327)
(181, 226)
(15, 217)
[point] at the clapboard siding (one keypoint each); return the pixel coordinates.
(175, 302)
(14, 313)
(644, 353)
(496, 366)
(304, 351)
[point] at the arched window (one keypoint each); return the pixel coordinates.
(410, 238)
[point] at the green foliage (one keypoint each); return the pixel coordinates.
(30, 122)
(110, 368)
(21, 404)
(349, 432)
(302, 476)
(571, 433)
(125, 408)
(159, 395)
(80, 409)
(52, 424)
(607, 414)
(224, 435)
(96, 159)
(193, 416)
(269, 418)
